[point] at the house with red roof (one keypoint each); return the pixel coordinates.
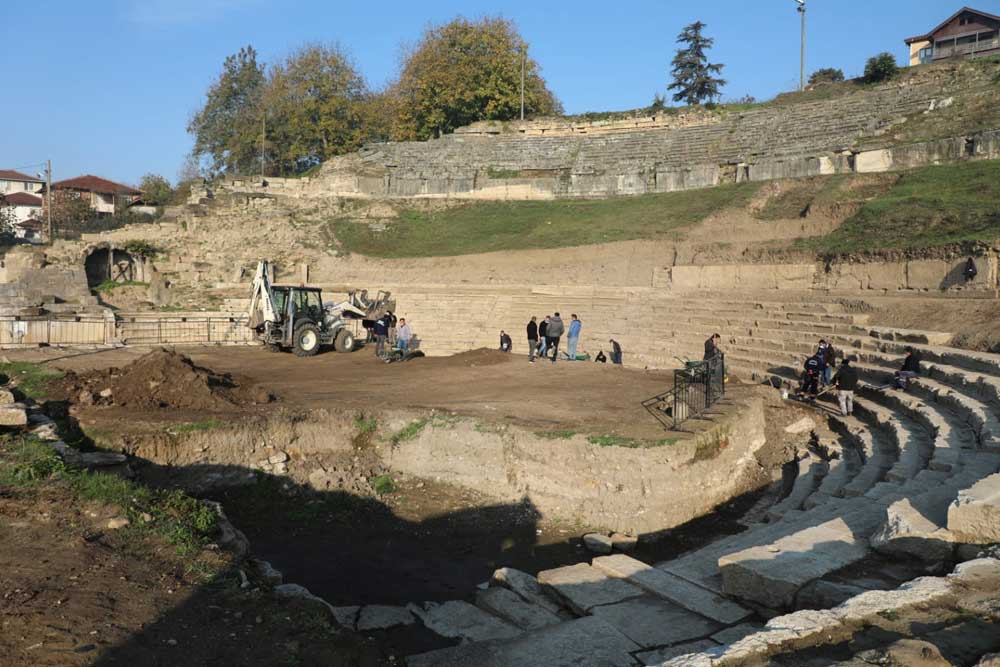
(968, 33)
(14, 181)
(100, 193)
(23, 205)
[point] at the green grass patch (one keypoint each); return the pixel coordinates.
(410, 431)
(930, 206)
(110, 285)
(521, 225)
(27, 461)
(383, 484)
(365, 425)
(181, 520)
(555, 435)
(631, 443)
(30, 378)
(193, 427)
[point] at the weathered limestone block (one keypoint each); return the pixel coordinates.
(975, 515)
(461, 620)
(651, 622)
(870, 162)
(915, 528)
(508, 605)
(525, 585)
(584, 587)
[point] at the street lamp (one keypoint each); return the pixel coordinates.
(801, 9)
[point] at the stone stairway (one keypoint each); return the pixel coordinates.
(905, 475)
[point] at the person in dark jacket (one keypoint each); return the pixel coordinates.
(543, 340)
(532, 339)
(828, 355)
(846, 381)
(910, 369)
(505, 342)
(553, 333)
(381, 332)
(616, 352)
(712, 347)
(812, 370)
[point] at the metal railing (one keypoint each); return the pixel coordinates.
(697, 387)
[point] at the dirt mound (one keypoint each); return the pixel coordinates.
(479, 357)
(163, 379)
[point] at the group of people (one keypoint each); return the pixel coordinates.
(388, 329)
(818, 372)
(544, 338)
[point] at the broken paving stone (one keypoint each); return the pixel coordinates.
(6, 397)
(509, 606)
(117, 522)
(461, 620)
(381, 617)
(650, 622)
(598, 543)
(584, 587)
(525, 585)
(280, 457)
(624, 543)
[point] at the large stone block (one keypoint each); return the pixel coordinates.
(584, 587)
(651, 622)
(975, 515)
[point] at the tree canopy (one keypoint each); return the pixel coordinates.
(227, 129)
(156, 189)
(466, 71)
(826, 75)
(693, 76)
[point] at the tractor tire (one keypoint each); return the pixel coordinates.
(305, 343)
(344, 342)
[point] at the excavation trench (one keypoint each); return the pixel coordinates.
(400, 506)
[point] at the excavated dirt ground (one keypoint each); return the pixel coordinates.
(487, 384)
(162, 379)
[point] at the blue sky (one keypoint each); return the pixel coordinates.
(106, 86)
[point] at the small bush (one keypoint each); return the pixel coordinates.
(383, 484)
(826, 75)
(881, 68)
(141, 248)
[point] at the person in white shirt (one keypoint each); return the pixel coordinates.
(403, 334)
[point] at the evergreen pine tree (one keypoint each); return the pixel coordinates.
(692, 72)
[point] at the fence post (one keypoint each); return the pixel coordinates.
(209, 333)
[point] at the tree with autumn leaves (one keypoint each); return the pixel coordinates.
(314, 104)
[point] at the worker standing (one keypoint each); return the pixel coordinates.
(573, 337)
(553, 333)
(543, 339)
(403, 335)
(381, 333)
(532, 339)
(616, 352)
(846, 381)
(712, 347)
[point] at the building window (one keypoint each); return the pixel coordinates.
(926, 55)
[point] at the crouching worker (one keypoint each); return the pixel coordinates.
(812, 370)
(910, 369)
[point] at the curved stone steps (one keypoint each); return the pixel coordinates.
(812, 471)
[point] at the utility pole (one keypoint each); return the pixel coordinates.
(802, 54)
(48, 195)
(524, 57)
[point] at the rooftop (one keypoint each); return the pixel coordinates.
(92, 183)
(23, 199)
(11, 175)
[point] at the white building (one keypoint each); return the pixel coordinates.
(25, 205)
(14, 181)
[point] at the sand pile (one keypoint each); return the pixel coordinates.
(163, 379)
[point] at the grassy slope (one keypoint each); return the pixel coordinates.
(491, 226)
(931, 206)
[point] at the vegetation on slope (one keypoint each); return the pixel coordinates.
(931, 206)
(524, 225)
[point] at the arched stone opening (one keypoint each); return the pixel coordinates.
(106, 263)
